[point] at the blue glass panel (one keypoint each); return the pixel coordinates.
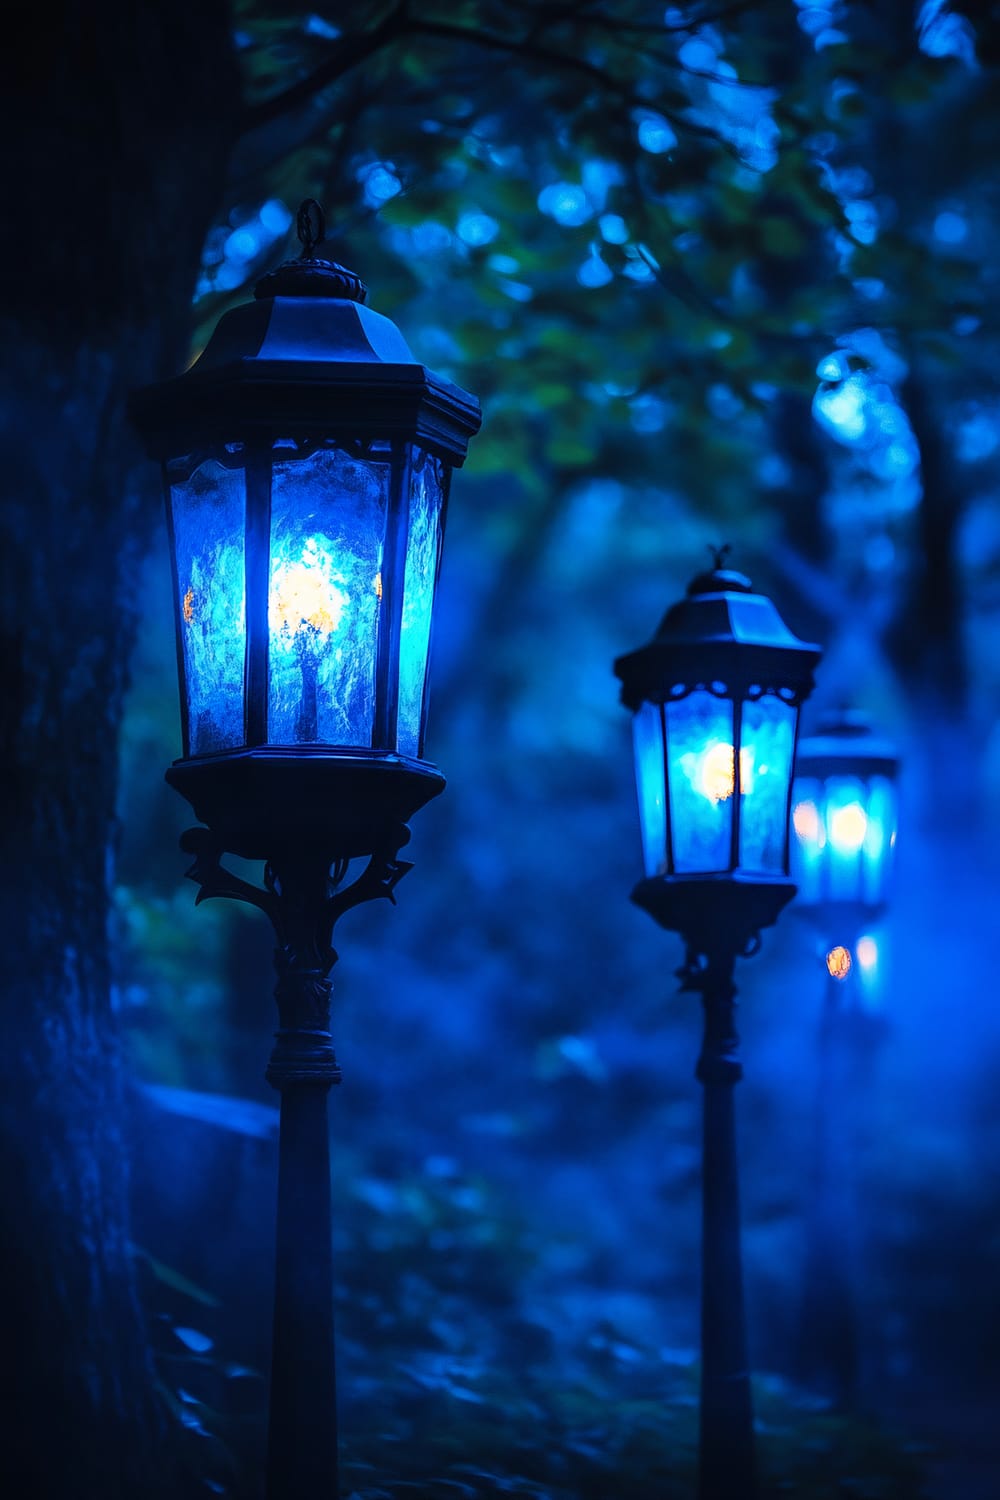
(701, 777)
(328, 514)
(880, 839)
(422, 550)
(808, 839)
(767, 740)
(650, 781)
(846, 821)
(208, 512)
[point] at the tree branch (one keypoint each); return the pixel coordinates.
(345, 56)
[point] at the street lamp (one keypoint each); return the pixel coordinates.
(715, 697)
(306, 459)
(844, 820)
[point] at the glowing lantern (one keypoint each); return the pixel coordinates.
(307, 457)
(715, 697)
(844, 820)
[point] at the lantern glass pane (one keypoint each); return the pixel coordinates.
(208, 512)
(650, 781)
(328, 516)
(880, 840)
(767, 743)
(701, 778)
(423, 549)
(808, 839)
(847, 829)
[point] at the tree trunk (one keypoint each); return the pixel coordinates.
(123, 115)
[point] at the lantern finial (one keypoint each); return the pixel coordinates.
(310, 225)
(311, 275)
(719, 555)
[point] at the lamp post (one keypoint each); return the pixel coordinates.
(844, 819)
(715, 697)
(306, 458)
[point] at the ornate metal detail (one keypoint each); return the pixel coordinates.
(311, 275)
(310, 226)
(794, 697)
(719, 555)
(303, 900)
(711, 975)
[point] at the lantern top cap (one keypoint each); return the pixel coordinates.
(845, 741)
(720, 579)
(311, 275)
(722, 631)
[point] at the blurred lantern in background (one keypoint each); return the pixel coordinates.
(306, 458)
(844, 820)
(715, 697)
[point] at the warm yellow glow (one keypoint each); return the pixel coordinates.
(716, 774)
(806, 822)
(378, 587)
(848, 826)
(838, 962)
(188, 606)
(305, 594)
(867, 951)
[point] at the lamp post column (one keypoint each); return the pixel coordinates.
(302, 1425)
(303, 898)
(726, 1443)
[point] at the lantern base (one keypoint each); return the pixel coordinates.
(840, 921)
(715, 913)
(343, 803)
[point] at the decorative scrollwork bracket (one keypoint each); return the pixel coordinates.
(303, 897)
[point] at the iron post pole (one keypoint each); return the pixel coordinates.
(302, 1418)
(726, 1466)
(303, 896)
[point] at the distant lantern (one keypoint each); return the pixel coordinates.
(844, 819)
(715, 697)
(306, 457)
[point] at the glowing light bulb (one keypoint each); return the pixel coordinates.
(305, 597)
(713, 772)
(807, 825)
(867, 951)
(717, 773)
(848, 826)
(838, 962)
(188, 606)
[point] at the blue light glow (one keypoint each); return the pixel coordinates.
(566, 203)
(477, 229)
(380, 183)
(328, 514)
(595, 272)
(845, 834)
(614, 229)
(422, 552)
(950, 228)
(767, 741)
(656, 135)
(702, 774)
(650, 780)
(208, 512)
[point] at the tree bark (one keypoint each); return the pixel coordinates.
(113, 162)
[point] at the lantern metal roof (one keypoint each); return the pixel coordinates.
(307, 353)
(721, 631)
(844, 743)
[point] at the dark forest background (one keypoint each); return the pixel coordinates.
(718, 272)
